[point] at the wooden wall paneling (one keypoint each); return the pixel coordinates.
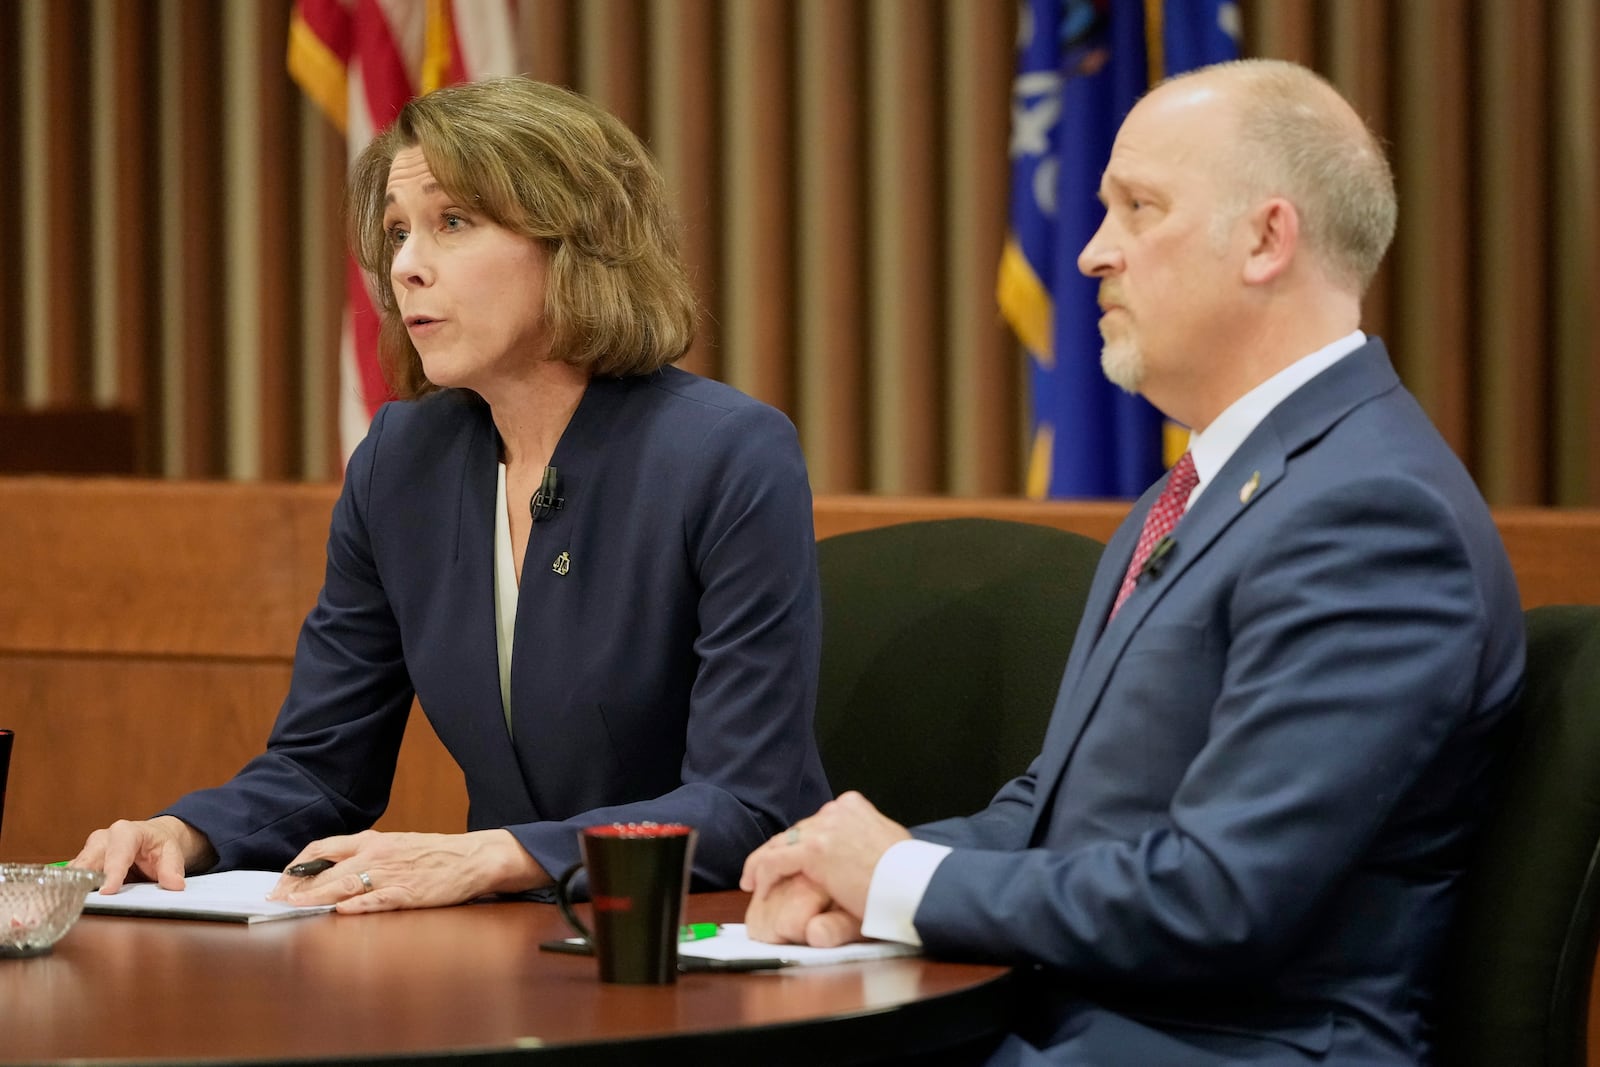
(94, 722)
(1549, 549)
(330, 164)
(204, 569)
(281, 204)
(137, 327)
(68, 440)
(883, 355)
(11, 177)
(134, 735)
(549, 40)
(69, 194)
(241, 206)
(907, 241)
(101, 285)
(1432, 257)
(614, 60)
(831, 234)
(32, 152)
(195, 235)
(168, 210)
(1511, 280)
(228, 571)
(1575, 247)
(756, 307)
(983, 364)
(1284, 29)
(684, 129)
(1359, 62)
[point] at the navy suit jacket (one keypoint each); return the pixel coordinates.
(664, 669)
(1246, 825)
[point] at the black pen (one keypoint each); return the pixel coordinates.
(705, 963)
(309, 869)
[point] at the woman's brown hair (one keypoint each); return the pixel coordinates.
(551, 165)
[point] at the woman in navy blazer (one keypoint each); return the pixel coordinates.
(595, 572)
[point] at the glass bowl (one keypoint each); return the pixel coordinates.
(39, 904)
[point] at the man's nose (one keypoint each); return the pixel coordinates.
(1100, 256)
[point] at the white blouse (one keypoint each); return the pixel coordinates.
(505, 593)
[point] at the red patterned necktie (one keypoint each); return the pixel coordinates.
(1163, 517)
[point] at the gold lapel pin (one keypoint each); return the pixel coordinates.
(1248, 489)
(562, 564)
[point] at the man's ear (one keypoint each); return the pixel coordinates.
(1274, 239)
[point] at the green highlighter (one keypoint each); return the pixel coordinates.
(697, 931)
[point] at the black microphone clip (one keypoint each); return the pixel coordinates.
(545, 502)
(1157, 561)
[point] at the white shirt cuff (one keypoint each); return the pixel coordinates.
(898, 883)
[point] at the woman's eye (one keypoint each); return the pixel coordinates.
(454, 222)
(397, 236)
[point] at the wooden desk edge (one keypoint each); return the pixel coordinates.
(946, 1005)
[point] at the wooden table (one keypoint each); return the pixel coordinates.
(459, 981)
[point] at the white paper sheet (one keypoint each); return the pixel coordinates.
(733, 943)
(227, 896)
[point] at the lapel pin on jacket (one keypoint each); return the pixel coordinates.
(1248, 489)
(562, 564)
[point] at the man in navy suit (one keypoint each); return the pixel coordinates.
(1242, 840)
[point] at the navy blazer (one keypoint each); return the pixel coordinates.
(666, 648)
(1242, 839)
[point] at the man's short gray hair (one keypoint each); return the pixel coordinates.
(1296, 141)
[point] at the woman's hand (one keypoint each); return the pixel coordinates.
(411, 870)
(161, 850)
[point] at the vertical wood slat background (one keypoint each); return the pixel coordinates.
(840, 168)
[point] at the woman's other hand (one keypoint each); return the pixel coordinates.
(161, 850)
(375, 871)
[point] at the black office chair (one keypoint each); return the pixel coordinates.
(1523, 950)
(943, 644)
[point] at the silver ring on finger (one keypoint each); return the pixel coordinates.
(366, 882)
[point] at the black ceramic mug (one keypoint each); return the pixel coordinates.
(638, 878)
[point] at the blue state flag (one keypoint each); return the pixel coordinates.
(1081, 65)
